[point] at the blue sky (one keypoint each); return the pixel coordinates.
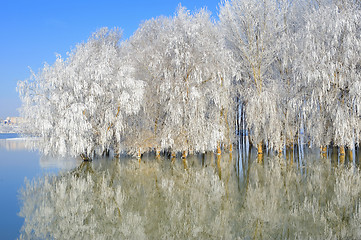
(32, 32)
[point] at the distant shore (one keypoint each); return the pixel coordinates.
(10, 129)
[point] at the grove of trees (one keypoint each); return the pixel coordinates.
(181, 83)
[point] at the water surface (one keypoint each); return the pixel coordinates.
(210, 197)
(17, 162)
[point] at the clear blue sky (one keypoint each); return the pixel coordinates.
(32, 32)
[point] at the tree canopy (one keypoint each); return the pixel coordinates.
(177, 83)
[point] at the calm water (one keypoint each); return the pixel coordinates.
(228, 197)
(9, 135)
(16, 164)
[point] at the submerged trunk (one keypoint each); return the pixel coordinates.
(231, 152)
(290, 154)
(184, 158)
(157, 153)
(342, 154)
(219, 151)
(139, 156)
(219, 166)
(173, 157)
(85, 157)
(280, 152)
(116, 152)
(351, 155)
(260, 152)
(324, 152)
(106, 153)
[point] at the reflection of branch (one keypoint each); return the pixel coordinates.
(84, 168)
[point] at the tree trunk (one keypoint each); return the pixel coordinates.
(324, 152)
(231, 152)
(85, 157)
(157, 153)
(280, 152)
(351, 155)
(219, 166)
(342, 154)
(260, 152)
(184, 158)
(173, 157)
(139, 157)
(291, 154)
(219, 151)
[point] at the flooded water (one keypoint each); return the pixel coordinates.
(17, 162)
(216, 197)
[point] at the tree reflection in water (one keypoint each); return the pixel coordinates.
(158, 199)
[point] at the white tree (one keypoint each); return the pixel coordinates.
(78, 105)
(257, 33)
(331, 57)
(188, 95)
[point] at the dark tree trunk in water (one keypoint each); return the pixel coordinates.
(260, 152)
(85, 157)
(184, 158)
(342, 154)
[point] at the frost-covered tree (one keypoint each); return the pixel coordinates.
(257, 33)
(173, 86)
(188, 103)
(78, 105)
(331, 57)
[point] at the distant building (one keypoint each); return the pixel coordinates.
(13, 120)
